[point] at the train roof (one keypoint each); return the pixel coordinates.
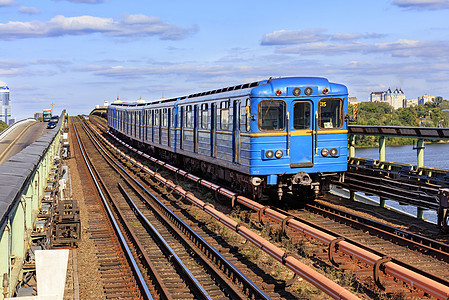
(257, 88)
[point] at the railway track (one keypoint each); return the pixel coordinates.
(424, 260)
(343, 230)
(179, 269)
(116, 275)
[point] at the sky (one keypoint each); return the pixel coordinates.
(76, 54)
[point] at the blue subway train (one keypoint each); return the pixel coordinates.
(283, 135)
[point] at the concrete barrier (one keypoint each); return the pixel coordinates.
(23, 179)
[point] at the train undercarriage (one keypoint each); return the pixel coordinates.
(303, 186)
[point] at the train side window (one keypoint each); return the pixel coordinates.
(301, 115)
(245, 112)
(330, 113)
(204, 115)
(172, 117)
(164, 118)
(224, 115)
(156, 117)
(189, 116)
(272, 115)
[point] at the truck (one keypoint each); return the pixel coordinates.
(46, 115)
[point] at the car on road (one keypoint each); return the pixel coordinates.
(51, 125)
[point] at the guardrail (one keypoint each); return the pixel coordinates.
(23, 179)
(5, 132)
(420, 133)
(415, 175)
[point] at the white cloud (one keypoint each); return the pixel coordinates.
(8, 63)
(29, 10)
(130, 25)
(285, 37)
(399, 48)
(422, 4)
(192, 70)
(311, 35)
(8, 3)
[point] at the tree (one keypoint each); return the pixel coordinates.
(438, 100)
(3, 126)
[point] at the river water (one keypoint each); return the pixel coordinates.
(435, 156)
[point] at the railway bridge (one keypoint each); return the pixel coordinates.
(38, 212)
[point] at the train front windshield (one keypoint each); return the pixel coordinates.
(330, 113)
(272, 115)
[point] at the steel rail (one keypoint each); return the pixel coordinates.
(431, 286)
(166, 245)
(199, 288)
(160, 285)
(135, 268)
(316, 208)
(247, 282)
(414, 279)
(415, 241)
(291, 262)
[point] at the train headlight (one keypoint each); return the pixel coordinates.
(278, 153)
(334, 152)
(296, 92)
(325, 91)
(269, 154)
(308, 91)
(278, 92)
(324, 152)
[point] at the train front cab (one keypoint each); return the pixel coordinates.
(298, 141)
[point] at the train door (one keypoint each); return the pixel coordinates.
(195, 128)
(236, 132)
(152, 125)
(181, 127)
(168, 126)
(175, 127)
(127, 117)
(147, 124)
(139, 125)
(133, 121)
(159, 116)
(213, 129)
(301, 125)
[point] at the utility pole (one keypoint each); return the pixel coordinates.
(52, 104)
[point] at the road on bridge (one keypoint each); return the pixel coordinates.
(20, 138)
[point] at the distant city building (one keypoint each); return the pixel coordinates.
(376, 97)
(38, 115)
(424, 99)
(5, 103)
(105, 105)
(11, 121)
(410, 102)
(395, 99)
(352, 100)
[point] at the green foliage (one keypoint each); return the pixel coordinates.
(3, 126)
(382, 114)
(438, 100)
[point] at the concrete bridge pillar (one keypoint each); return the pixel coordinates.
(382, 148)
(420, 154)
(351, 145)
